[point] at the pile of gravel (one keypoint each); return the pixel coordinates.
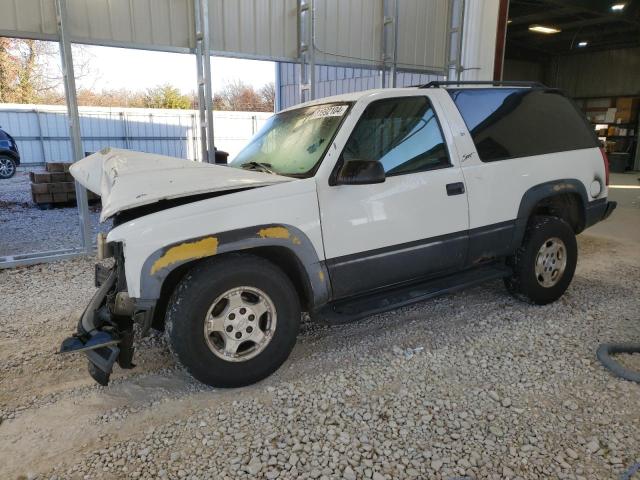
(472, 385)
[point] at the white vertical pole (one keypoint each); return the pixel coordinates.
(202, 115)
(205, 95)
(208, 95)
(306, 48)
(277, 102)
(396, 17)
(66, 59)
(312, 49)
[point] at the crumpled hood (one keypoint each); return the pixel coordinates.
(126, 179)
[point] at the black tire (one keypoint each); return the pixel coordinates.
(190, 303)
(7, 167)
(524, 283)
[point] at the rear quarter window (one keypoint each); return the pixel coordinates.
(521, 122)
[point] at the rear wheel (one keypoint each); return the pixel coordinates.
(7, 167)
(233, 321)
(544, 265)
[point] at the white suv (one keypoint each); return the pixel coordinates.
(340, 207)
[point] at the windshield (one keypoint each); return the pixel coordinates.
(292, 142)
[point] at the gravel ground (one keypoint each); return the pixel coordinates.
(24, 228)
(472, 385)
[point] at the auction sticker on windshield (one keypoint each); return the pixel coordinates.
(329, 111)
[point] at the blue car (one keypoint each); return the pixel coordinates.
(9, 155)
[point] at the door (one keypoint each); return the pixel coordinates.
(414, 224)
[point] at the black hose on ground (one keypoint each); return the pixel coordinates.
(604, 353)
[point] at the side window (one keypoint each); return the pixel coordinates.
(521, 122)
(401, 133)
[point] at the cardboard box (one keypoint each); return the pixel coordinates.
(599, 103)
(628, 103)
(626, 116)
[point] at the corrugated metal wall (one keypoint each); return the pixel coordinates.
(597, 74)
(351, 32)
(42, 132)
(332, 80)
(347, 31)
(423, 28)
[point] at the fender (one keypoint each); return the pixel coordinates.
(162, 262)
(539, 192)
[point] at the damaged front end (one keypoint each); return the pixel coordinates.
(106, 328)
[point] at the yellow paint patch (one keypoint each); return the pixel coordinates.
(295, 240)
(321, 275)
(186, 251)
(274, 232)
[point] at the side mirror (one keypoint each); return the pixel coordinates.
(360, 172)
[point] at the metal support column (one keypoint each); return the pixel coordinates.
(456, 19)
(205, 95)
(389, 48)
(277, 103)
(40, 136)
(306, 50)
(66, 60)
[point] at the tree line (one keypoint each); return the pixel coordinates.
(26, 76)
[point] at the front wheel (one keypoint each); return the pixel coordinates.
(544, 265)
(7, 167)
(232, 321)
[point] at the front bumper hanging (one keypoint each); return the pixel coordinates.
(103, 337)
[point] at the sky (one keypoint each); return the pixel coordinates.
(116, 68)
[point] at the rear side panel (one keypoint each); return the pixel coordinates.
(519, 139)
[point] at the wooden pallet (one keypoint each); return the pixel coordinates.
(55, 187)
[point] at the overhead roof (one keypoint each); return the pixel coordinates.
(591, 21)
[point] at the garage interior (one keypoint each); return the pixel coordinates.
(591, 50)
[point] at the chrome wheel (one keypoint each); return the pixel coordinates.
(7, 167)
(240, 323)
(551, 262)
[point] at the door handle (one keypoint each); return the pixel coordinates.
(455, 188)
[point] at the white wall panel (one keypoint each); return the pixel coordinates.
(479, 39)
(254, 28)
(351, 32)
(422, 33)
(42, 134)
(347, 31)
(331, 80)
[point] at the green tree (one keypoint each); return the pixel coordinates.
(166, 96)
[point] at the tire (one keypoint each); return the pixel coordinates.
(543, 241)
(219, 289)
(7, 167)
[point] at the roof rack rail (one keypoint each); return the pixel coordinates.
(506, 83)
